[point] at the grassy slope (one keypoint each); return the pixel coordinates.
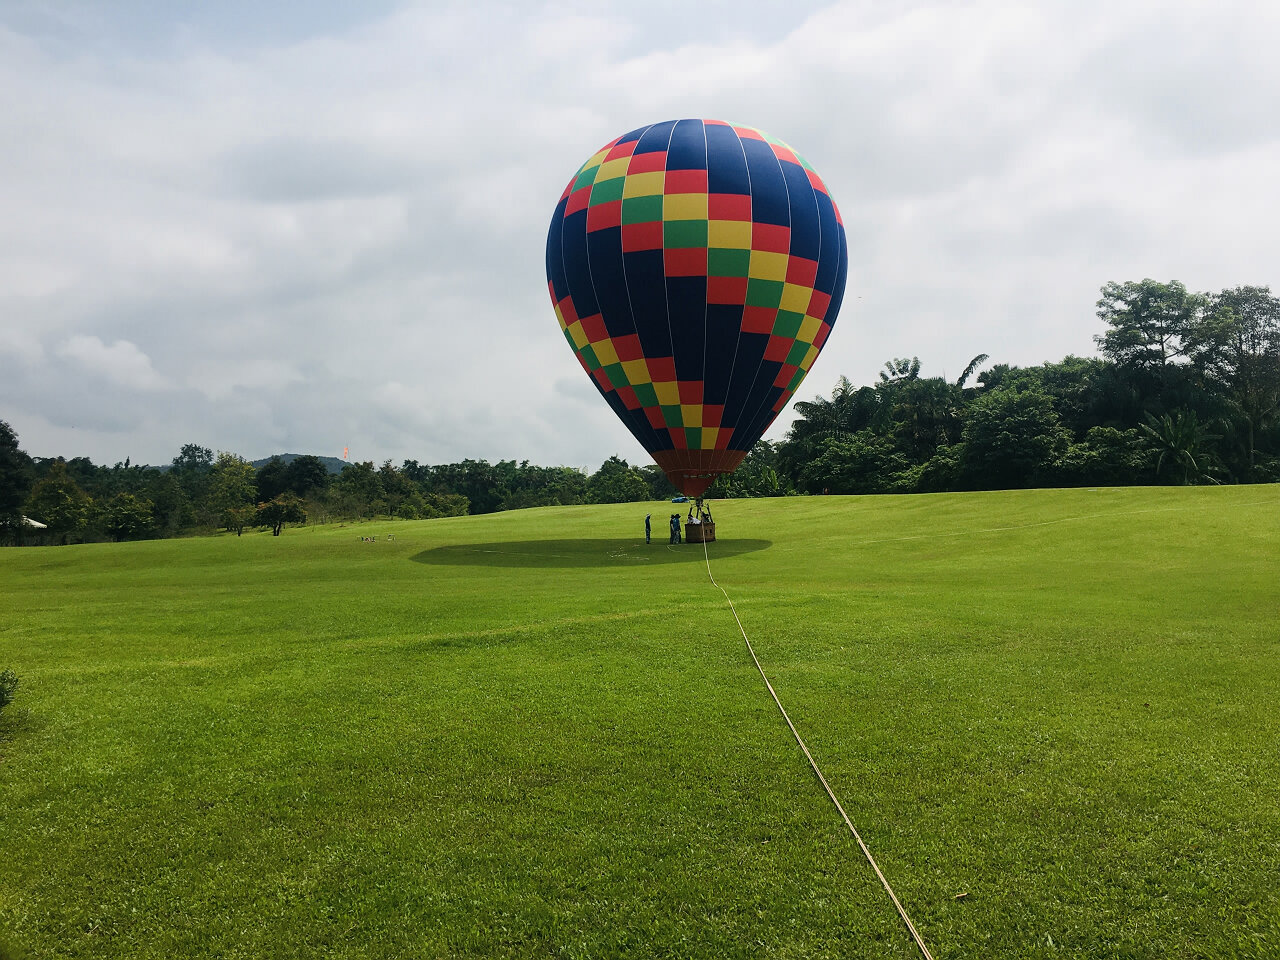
(530, 735)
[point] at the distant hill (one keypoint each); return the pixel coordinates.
(332, 464)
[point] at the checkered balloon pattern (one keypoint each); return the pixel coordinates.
(696, 269)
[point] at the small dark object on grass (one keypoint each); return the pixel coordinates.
(8, 684)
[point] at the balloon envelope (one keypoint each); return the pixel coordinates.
(696, 269)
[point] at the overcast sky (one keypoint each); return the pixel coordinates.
(297, 228)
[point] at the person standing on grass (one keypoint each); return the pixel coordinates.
(646, 527)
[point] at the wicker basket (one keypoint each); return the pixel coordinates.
(704, 532)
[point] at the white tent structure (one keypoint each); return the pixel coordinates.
(34, 524)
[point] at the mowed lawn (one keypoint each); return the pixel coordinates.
(1053, 715)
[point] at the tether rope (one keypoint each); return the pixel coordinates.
(915, 934)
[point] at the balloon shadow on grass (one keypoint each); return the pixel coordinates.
(582, 553)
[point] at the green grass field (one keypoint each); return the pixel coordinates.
(1053, 716)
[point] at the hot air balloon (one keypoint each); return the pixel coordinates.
(696, 268)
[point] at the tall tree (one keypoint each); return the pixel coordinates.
(273, 479)
(899, 369)
(15, 483)
(617, 482)
(193, 458)
(286, 508)
(127, 516)
(59, 503)
(233, 486)
(971, 369)
(822, 417)
(924, 414)
(1150, 322)
(171, 508)
(192, 467)
(306, 475)
(1238, 344)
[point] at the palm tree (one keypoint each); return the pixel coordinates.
(899, 369)
(1180, 439)
(849, 410)
(925, 413)
(974, 364)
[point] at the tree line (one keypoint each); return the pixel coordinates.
(78, 500)
(1186, 389)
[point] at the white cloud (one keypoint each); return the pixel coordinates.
(332, 232)
(20, 345)
(121, 363)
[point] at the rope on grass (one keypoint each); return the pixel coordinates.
(915, 934)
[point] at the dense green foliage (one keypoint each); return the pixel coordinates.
(15, 482)
(1187, 391)
(80, 501)
(1050, 713)
(59, 502)
(8, 687)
